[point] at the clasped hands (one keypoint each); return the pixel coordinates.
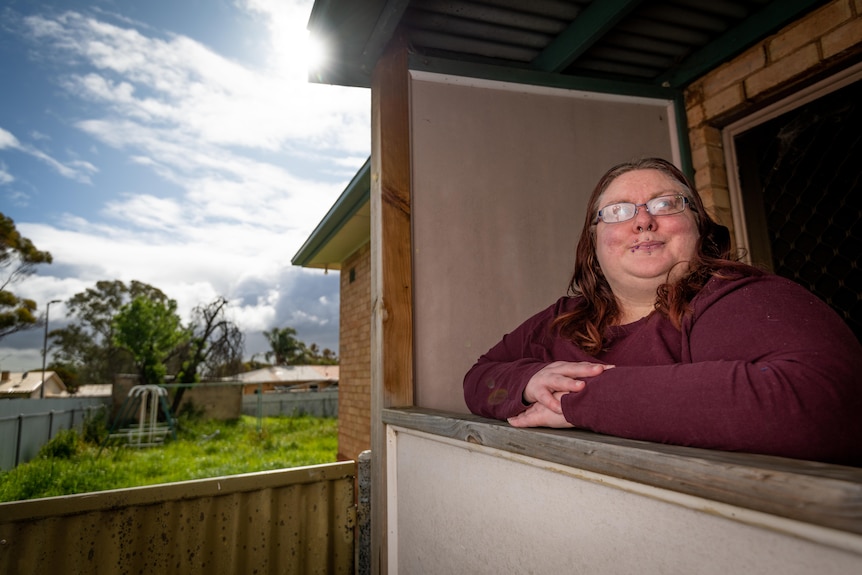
(546, 388)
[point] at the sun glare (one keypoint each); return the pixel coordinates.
(296, 54)
(314, 53)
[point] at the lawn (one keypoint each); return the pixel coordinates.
(74, 463)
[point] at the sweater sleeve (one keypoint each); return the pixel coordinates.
(767, 368)
(494, 386)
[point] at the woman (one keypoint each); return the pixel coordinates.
(667, 339)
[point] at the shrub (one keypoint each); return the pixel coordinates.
(64, 445)
(95, 426)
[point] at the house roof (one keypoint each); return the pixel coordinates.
(91, 390)
(621, 46)
(346, 226)
(290, 374)
(25, 383)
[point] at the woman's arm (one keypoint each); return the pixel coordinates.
(527, 367)
(767, 368)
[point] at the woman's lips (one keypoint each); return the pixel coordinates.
(646, 245)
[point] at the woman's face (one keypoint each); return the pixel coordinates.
(636, 255)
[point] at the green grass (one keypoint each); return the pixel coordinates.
(204, 448)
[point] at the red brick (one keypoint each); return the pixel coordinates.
(354, 396)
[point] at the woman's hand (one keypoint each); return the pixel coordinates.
(555, 379)
(537, 415)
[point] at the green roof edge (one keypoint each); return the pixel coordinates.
(354, 196)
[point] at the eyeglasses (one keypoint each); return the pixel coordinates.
(624, 211)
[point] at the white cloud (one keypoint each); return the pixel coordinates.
(5, 176)
(8, 140)
(75, 170)
(181, 84)
(230, 137)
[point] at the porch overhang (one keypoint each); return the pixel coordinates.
(621, 46)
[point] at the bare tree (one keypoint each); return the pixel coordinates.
(214, 349)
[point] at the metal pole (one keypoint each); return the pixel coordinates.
(45, 347)
(260, 407)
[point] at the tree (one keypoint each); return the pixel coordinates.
(151, 331)
(18, 259)
(316, 357)
(87, 344)
(285, 348)
(214, 348)
(328, 357)
(68, 375)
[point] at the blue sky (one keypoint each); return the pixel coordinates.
(178, 143)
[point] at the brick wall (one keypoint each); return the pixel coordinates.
(354, 385)
(216, 400)
(803, 52)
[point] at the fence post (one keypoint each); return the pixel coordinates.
(363, 514)
(259, 407)
(18, 439)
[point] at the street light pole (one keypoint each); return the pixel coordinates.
(45, 347)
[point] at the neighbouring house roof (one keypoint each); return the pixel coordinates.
(622, 46)
(27, 383)
(290, 374)
(92, 390)
(344, 229)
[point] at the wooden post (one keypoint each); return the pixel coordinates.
(391, 271)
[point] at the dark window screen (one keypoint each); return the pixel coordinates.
(801, 181)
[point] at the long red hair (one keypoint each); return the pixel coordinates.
(597, 307)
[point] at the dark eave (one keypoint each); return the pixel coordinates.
(633, 43)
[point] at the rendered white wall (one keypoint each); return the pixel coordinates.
(460, 508)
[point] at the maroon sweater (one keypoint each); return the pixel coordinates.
(761, 365)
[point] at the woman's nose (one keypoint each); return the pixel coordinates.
(643, 220)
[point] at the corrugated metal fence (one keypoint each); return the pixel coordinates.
(28, 424)
(287, 521)
(322, 403)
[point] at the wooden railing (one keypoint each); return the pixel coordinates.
(286, 521)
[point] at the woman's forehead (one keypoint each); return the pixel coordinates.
(640, 185)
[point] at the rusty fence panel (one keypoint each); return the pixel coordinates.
(287, 521)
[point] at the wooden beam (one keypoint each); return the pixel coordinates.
(539, 78)
(384, 28)
(391, 270)
(584, 31)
